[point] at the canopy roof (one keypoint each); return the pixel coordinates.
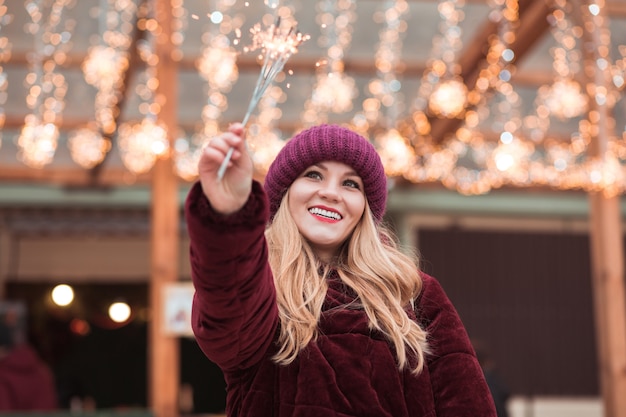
(533, 67)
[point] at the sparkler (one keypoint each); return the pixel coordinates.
(277, 46)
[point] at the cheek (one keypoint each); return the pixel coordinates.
(293, 200)
(298, 194)
(358, 205)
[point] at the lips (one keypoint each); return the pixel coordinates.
(327, 214)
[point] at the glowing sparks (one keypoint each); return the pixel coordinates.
(277, 45)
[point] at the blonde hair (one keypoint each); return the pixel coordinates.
(385, 279)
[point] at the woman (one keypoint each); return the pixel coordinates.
(305, 301)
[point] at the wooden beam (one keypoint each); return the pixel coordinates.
(164, 358)
(616, 9)
(71, 176)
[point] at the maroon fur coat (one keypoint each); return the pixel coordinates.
(349, 370)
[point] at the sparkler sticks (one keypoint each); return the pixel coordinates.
(277, 46)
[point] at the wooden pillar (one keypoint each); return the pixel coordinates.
(608, 289)
(164, 361)
(607, 248)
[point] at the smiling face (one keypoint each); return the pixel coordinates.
(326, 202)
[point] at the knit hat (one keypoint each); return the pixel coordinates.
(328, 143)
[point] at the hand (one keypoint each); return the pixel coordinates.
(229, 194)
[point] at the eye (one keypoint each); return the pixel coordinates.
(352, 184)
(313, 175)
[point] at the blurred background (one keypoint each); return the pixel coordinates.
(501, 125)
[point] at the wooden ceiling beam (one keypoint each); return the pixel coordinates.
(616, 9)
(71, 176)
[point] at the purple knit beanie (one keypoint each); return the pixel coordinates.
(328, 143)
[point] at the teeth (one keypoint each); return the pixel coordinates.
(325, 213)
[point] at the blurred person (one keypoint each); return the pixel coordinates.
(304, 298)
(26, 382)
(499, 390)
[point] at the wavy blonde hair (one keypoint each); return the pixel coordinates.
(385, 279)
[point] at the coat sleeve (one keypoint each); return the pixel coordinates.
(234, 312)
(458, 382)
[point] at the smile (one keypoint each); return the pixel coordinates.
(325, 213)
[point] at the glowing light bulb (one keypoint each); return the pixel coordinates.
(62, 295)
(119, 312)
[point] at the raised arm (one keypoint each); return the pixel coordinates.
(234, 308)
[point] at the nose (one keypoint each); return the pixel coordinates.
(329, 191)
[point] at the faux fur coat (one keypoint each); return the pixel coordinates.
(349, 370)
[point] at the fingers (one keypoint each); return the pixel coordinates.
(238, 129)
(228, 189)
(222, 143)
(232, 138)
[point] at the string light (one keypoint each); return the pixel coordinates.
(334, 90)
(88, 147)
(564, 98)
(395, 152)
(476, 163)
(442, 92)
(37, 142)
(604, 171)
(449, 98)
(142, 142)
(448, 94)
(495, 145)
(104, 68)
(386, 90)
(52, 32)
